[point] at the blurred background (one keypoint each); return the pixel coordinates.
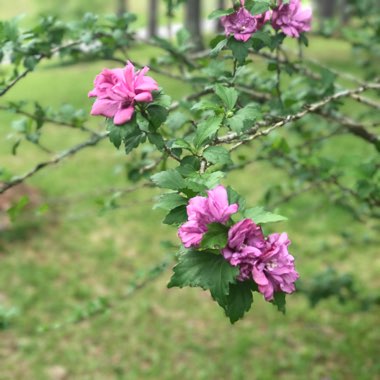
(74, 303)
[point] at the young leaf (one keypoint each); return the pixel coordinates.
(206, 130)
(207, 271)
(217, 155)
(169, 179)
(239, 300)
(216, 236)
(260, 216)
(228, 95)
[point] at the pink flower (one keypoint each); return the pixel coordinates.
(245, 243)
(262, 19)
(292, 18)
(266, 261)
(117, 90)
(241, 24)
(274, 270)
(205, 210)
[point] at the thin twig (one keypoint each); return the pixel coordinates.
(95, 139)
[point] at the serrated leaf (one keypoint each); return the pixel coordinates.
(244, 117)
(207, 271)
(228, 95)
(133, 139)
(279, 300)
(169, 201)
(207, 130)
(217, 155)
(239, 49)
(176, 216)
(216, 236)
(260, 216)
(169, 179)
(198, 182)
(218, 47)
(239, 300)
(157, 140)
(157, 115)
(220, 12)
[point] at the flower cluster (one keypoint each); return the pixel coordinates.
(117, 90)
(291, 18)
(265, 260)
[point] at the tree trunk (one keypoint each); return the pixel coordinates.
(193, 22)
(221, 5)
(121, 7)
(153, 15)
(326, 8)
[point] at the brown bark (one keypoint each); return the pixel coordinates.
(153, 16)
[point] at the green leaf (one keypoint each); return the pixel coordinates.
(169, 179)
(260, 216)
(222, 42)
(262, 36)
(207, 271)
(15, 210)
(239, 49)
(176, 216)
(280, 301)
(217, 155)
(169, 201)
(157, 140)
(207, 130)
(260, 7)
(228, 95)
(200, 182)
(239, 300)
(220, 12)
(234, 197)
(116, 134)
(133, 139)
(216, 236)
(157, 115)
(244, 118)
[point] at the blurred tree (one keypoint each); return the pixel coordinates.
(193, 22)
(221, 4)
(326, 8)
(121, 7)
(152, 15)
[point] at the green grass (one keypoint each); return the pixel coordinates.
(56, 263)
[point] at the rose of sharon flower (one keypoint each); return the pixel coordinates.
(292, 18)
(266, 261)
(205, 210)
(117, 90)
(241, 24)
(245, 243)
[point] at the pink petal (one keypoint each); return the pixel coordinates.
(144, 97)
(105, 107)
(123, 115)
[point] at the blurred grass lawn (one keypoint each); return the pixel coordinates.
(75, 254)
